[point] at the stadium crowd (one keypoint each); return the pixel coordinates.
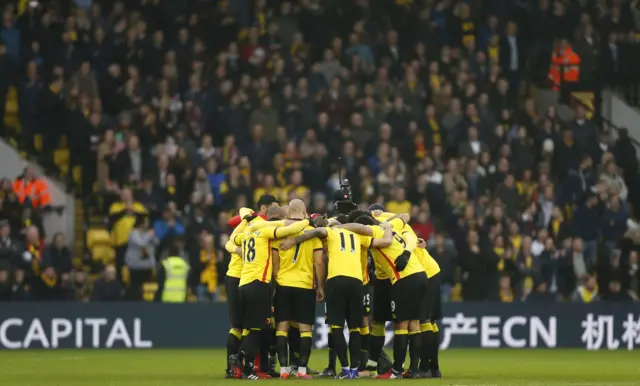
(180, 112)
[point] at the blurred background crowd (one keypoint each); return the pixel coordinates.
(165, 116)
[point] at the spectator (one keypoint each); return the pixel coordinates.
(9, 249)
(107, 288)
(168, 227)
(58, 256)
(446, 258)
(209, 261)
(122, 217)
(140, 256)
(81, 287)
(587, 292)
(31, 189)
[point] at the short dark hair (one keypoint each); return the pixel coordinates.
(354, 214)
(342, 219)
(365, 220)
(267, 200)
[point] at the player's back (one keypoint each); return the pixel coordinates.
(344, 253)
(296, 264)
(256, 258)
(386, 256)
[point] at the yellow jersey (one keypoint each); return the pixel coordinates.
(379, 271)
(386, 257)
(344, 250)
(296, 264)
(430, 265)
(235, 264)
(364, 259)
(256, 250)
(122, 221)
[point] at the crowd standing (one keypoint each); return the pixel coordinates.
(177, 112)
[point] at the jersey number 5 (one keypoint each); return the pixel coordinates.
(249, 250)
(343, 244)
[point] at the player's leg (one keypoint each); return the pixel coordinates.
(255, 314)
(305, 314)
(283, 314)
(426, 331)
(354, 322)
(336, 316)
(400, 329)
(381, 314)
(419, 291)
(235, 317)
(294, 344)
(435, 315)
(364, 329)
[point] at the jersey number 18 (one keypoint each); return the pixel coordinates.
(249, 250)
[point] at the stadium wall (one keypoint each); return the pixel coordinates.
(155, 325)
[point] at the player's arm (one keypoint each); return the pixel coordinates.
(314, 233)
(402, 216)
(386, 239)
(256, 226)
(360, 229)
(288, 230)
(232, 246)
(320, 267)
(275, 255)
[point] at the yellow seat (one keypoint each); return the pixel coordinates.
(11, 117)
(149, 291)
(98, 237)
(77, 174)
(61, 157)
(104, 254)
(38, 142)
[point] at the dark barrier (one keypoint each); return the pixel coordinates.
(152, 325)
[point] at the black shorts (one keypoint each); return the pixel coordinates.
(234, 304)
(367, 300)
(407, 295)
(382, 301)
(255, 299)
(344, 301)
(295, 304)
(432, 308)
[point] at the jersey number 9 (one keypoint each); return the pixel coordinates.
(399, 239)
(249, 250)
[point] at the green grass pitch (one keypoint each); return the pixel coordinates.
(206, 367)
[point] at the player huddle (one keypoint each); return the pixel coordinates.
(284, 245)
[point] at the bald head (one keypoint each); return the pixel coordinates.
(275, 212)
(297, 209)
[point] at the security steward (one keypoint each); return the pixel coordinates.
(172, 278)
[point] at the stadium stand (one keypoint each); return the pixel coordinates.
(479, 118)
